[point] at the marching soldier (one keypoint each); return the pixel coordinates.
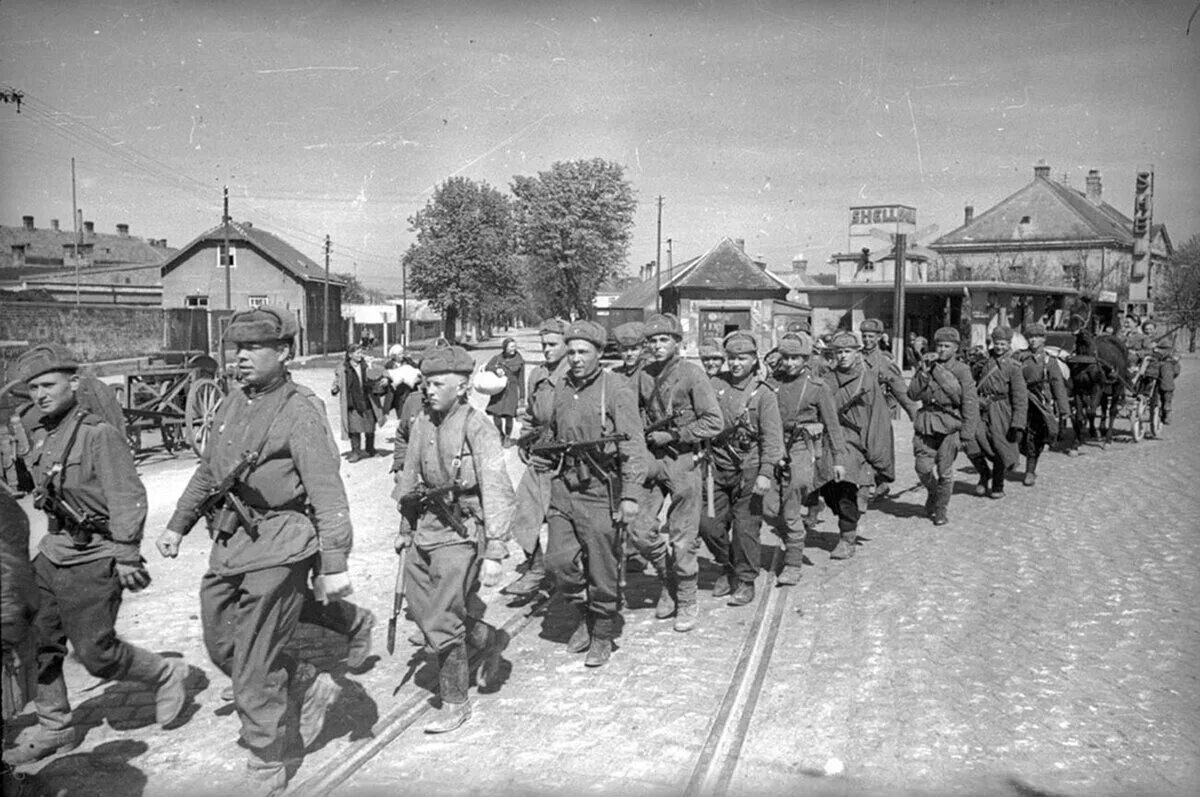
(895, 391)
(533, 491)
(863, 415)
(1048, 402)
(631, 339)
(742, 457)
(269, 476)
(600, 463)
(815, 449)
(457, 502)
(1003, 408)
(681, 411)
(948, 415)
(85, 482)
(712, 356)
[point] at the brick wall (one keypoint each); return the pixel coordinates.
(95, 333)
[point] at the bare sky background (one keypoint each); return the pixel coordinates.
(759, 120)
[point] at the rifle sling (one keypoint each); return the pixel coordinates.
(59, 470)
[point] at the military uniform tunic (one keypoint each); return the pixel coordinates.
(949, 414)
(1047, 392)
(533, 491)
(732, 536)
(1003, 407)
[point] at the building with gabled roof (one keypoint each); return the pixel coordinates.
(264, 269)
(1048, 233)
(718, 292)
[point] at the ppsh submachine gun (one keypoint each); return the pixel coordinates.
(222, 507)
(441, 501)
(735, 439)
(79, 524)
(580, 461)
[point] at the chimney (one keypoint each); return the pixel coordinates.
(28, 221)
(760, 260)
(1093, 186)
(741, 243)
(968, 214)
(89, 227)
(1041, 170)
(54, 224)
(123, 230)
(799, 265)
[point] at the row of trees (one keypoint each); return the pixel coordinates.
(1177, 291)
(488, 257)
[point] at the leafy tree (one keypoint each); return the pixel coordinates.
(462, 261)
(356, 293)
(574, 226)
(1177, 290)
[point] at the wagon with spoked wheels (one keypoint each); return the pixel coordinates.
(1142, 408)
(175, 394)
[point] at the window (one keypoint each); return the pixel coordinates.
(195, 301)
(232, 255)
(1025, 219)
(256, 301)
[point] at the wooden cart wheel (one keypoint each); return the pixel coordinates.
(1155, 414)
(1135, 418)
(203, 399)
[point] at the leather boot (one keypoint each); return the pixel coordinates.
(687, 607)
(169, 679)
(941, 502)
(453, 679)
(264, 778)
(533, 579)
(929, 482)
(985, 475)
(724, 584)
(487, 643)
(601, 648)
(666, 596)
(359, 648)
(320, 692)
(846, 545)
(581, 637)
(743, 595)
(997, 491)
(38, 743)
(1031, 464)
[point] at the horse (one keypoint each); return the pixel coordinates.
(1099, 378)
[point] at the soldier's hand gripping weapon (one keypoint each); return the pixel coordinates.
(439, 501)
(224, 510)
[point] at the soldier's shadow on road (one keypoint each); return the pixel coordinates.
(127, 705)
(353, 715)
(103, 771)
(899, 509)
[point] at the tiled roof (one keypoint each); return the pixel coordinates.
(727, 267)
(275, 249)
(45, 247)
(1055, 212)
(641, 295)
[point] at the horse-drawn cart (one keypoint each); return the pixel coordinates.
(1142, 410)
(177, 394)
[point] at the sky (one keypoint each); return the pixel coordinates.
(757, 120)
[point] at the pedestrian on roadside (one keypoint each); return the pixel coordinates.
(948, 415)
(1003, 412)
(677, 396)
(1049, 406)
(504, 405)
(358, 385)
(895, 391)
(583, 547)
(533, 491)
(402, 377)
(95, 504)
(453, 542)
(285, 517)
(743, 457)
(814, 449)
(1167, 365)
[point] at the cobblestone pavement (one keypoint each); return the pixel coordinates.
(1044, 644)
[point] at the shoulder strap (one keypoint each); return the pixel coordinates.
(261, 444)
(59, 468)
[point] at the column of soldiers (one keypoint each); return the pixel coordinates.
(729, 445)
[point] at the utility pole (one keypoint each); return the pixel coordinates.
(325, 319)
(403, 305)
(670, 261)
(901, 254)
(228, 261)
(658, 262)
(75, 218)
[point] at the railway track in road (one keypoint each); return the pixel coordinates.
(712, 769)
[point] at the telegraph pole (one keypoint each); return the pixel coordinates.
(901, 255)
(403, 305)
(325, 321)
(225, 253)
(75, 218)
(658, 262)
(670, 260)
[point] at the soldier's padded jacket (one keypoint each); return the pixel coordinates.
(866, 422)
(601, 405)
(1045, 383)
(295, 489)
(949, 403)
(750, 402)
(1003, 405)
(805, 399)
(463, 442)
(543, 382)
(895, 389)
(98, 477)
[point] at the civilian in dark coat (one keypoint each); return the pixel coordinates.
(358, 387)
(504, 405)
